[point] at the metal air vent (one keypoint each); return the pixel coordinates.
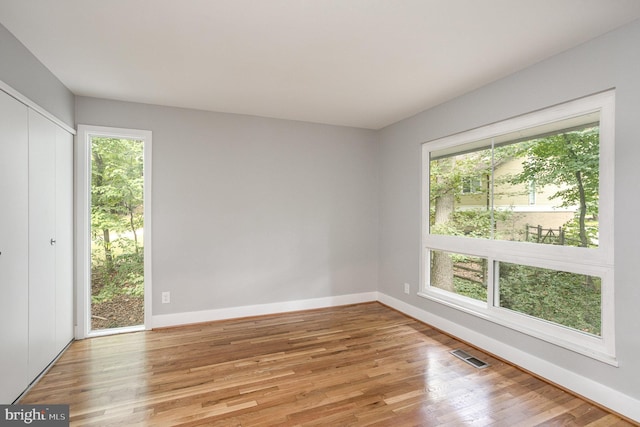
(473, 361)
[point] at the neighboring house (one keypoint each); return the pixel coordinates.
(528, 205)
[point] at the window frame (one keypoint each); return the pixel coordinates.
(475, 186)
(532, 193)
(597, 261)
(83, 226)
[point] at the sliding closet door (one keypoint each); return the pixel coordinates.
(14, 250)
(42, 241)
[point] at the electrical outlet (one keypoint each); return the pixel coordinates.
(166, 297)
(407, 288)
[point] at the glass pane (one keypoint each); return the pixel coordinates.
(461, 274)
(117, 213)
(460, 194)
(568, 299)
(541, 187)
(546, 191)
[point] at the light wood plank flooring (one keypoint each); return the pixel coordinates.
(364, 365)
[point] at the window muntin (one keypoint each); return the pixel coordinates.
(486, 239)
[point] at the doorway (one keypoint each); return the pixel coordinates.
(114, 192)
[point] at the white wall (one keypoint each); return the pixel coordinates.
(609, 61)
(250, 210)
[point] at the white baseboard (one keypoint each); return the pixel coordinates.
(165, 320)
(606, 396)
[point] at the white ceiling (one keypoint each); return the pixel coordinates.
(362, 63)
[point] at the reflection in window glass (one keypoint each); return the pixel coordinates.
(568, 299)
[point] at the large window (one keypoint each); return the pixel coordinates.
(518, 223)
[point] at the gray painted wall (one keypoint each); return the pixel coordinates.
(250, 210)
(610, 61)
(24, 73)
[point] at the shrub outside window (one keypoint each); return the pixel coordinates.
(518, 223)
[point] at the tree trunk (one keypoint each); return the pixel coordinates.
(584, 241)
(442, 267)
(133, 229)
(108, 256)
(442, 271)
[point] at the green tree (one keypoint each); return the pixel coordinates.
(116, 191)
(569, 161)
(447, 178)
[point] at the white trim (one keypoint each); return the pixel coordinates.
(535, 119)
(588, 388)
(114, 331)
(83, 239)
(82, 223)
(29, 103)
(538, 328)
(165, 320)
(148, 230)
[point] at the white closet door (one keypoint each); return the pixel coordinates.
(42, 291)
(14, 250)
(64, 238)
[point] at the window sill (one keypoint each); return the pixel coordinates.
(586, 345)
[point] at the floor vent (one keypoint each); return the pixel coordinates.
(473, 361)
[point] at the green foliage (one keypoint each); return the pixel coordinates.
(571, 162)
(126, 275)
(472, 223)
(116, 218)
(555, 160)
(116, 184)
(572, 232)
(470, 289)
(568, 299)
(449, 176)
(477, 223)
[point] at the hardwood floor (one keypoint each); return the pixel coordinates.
(363, 365)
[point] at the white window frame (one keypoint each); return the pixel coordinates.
(475, 186)
(83, 226)
(590, 261)
(532, 192)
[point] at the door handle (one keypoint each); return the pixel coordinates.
(52, 241)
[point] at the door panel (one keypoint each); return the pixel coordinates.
(42, 293)
(14, 250)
